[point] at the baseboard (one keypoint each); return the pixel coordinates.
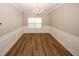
(69, 41)
(8, 40)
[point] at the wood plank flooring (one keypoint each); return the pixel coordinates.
(37, 44)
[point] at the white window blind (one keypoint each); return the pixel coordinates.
(35, 22)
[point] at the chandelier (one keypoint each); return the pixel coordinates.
(38, 9)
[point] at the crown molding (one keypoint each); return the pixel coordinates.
(30, 11)
(16, 7)
(56, 7)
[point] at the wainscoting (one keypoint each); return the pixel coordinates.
(9, 39)
(70, 42)
(44, 29)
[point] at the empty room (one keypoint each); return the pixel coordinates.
(39, 29)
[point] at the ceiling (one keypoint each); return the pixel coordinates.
(29, 7)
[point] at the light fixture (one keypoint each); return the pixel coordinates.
(38, 9)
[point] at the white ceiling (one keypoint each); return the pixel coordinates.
(29, 7)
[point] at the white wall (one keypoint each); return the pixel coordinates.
(69, 41)
(66, 18)
(9, 39)
(11, 28)
(65, 26)
(11, 18)
(45, 23)
(44, 16)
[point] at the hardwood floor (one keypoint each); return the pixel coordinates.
(38, 44)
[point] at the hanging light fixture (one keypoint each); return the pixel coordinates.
(38, 9)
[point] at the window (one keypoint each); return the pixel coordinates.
(34, 22)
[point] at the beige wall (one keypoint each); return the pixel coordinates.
(66, 18)
(44, 16)
(10, 17)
